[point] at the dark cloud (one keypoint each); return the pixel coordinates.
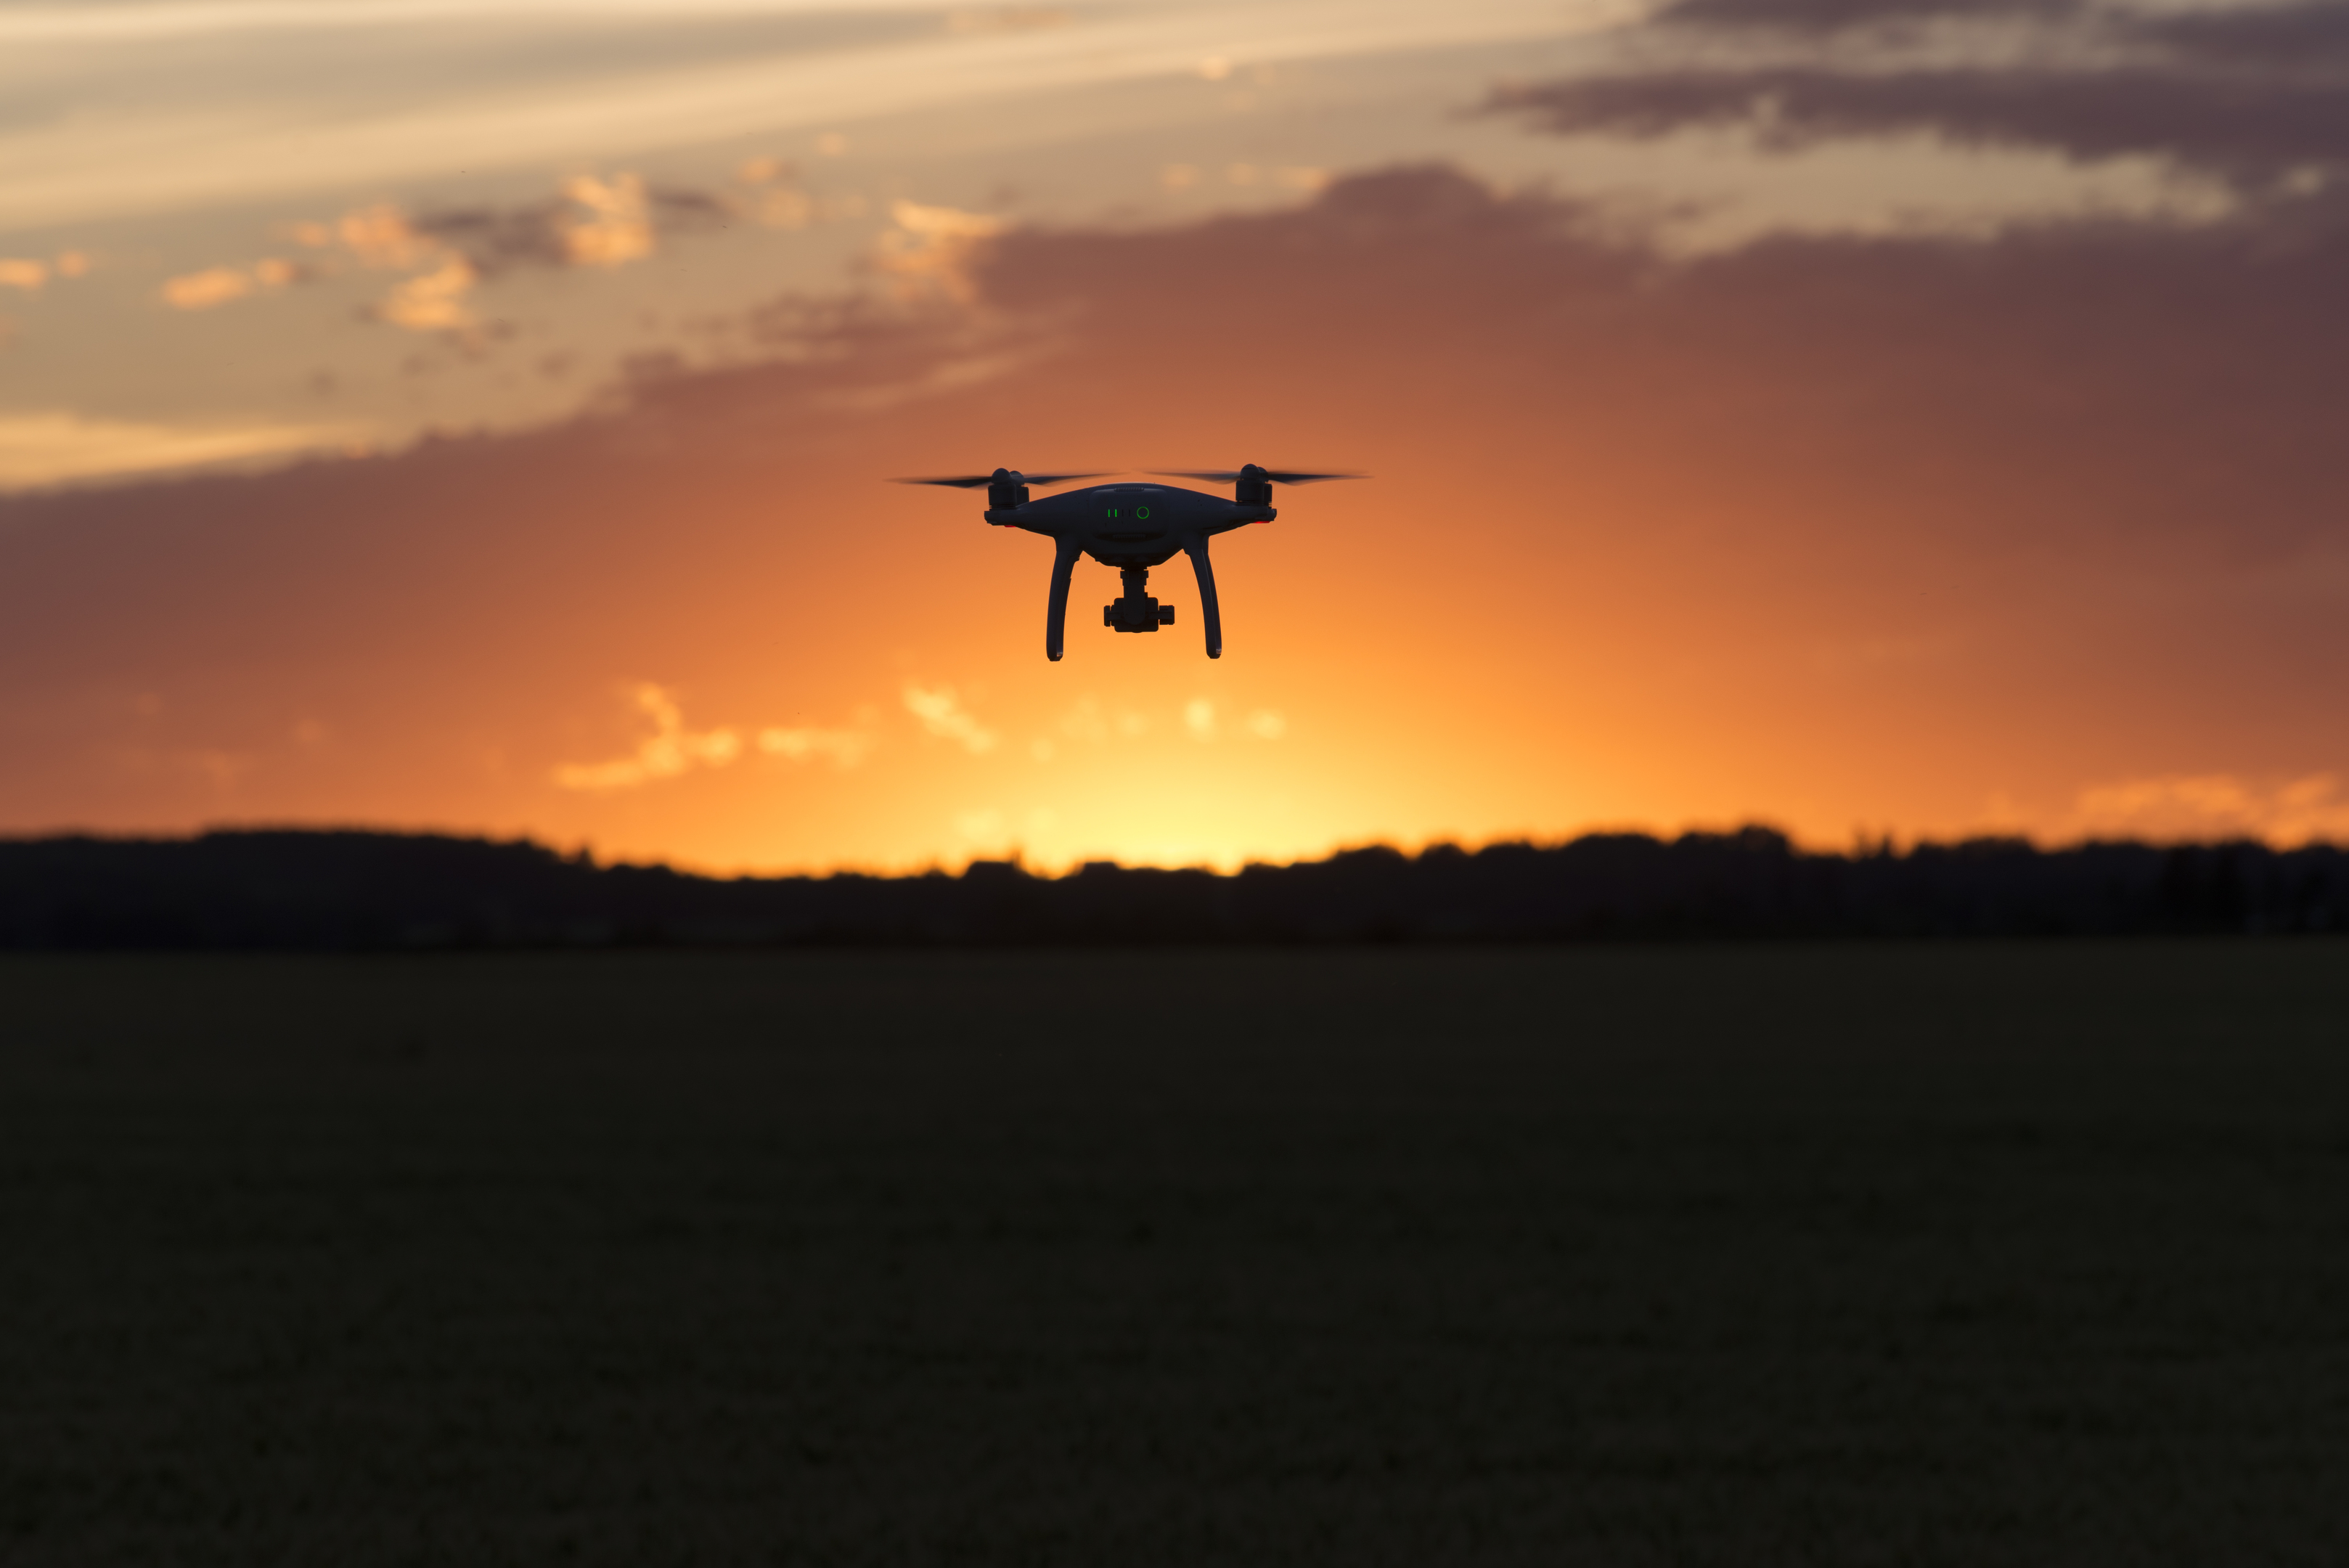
(2247, 94)
(499, 239)
(2244, 127)
(1821, 16)
(2293, 39)
(678, 209)
(496, 240)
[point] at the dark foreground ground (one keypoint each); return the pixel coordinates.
(1962, 1254)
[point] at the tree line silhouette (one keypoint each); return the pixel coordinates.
(356, 890)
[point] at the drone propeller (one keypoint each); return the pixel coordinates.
(1010, 476)
(1230, 476)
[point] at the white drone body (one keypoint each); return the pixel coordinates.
(1130, 527)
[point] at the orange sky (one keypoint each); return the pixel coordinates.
(2035, 530)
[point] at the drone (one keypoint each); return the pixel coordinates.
(1132, 527)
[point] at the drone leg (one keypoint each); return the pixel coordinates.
(1064, 561)
(1197, 550)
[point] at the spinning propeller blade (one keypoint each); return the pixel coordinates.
(976, 480)
(1232, 475)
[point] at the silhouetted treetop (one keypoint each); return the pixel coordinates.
(351, 890)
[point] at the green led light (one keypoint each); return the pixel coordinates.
(1142, 511)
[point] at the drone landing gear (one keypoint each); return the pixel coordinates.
(1137, 611)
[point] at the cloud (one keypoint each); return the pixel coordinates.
(266, 132)
(1821, 17)
(941, 715)
(1005, 18)
(1204, 723)
(202, 290)
(378, 235)
(60, 446)
(2258, 95)
(933, 248)
(769, 200)
(844, 748)
(1186, 176)
(1087, 719)
(672, 749)
(219, 284)
(614, 229)
(2175, 807)
(2255, 136)
(597, 222)
(432, 301)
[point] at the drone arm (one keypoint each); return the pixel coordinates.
(1197, 548)
(1065, 562)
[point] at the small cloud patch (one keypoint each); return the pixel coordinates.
(672, 749)
(943, 715)
(841, 748)
(933, 248)
(2204, 806)
(58, 446)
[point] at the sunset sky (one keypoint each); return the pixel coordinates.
(1866, 417)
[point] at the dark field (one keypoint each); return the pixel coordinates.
(1958, 1254)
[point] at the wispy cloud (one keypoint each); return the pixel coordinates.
(2203, 806)
(943, 715)
(432, 301)
(1204, 721)
(132, 19)
(612, 226)
(597, 222)
(269, 131)
(1191, 176)
(378, 236)
(933, 248)
(841, 748)
(32, 274)
(1087, 719)
(672, 749)
(59, 446)
(1005, 18)
(219, 284)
